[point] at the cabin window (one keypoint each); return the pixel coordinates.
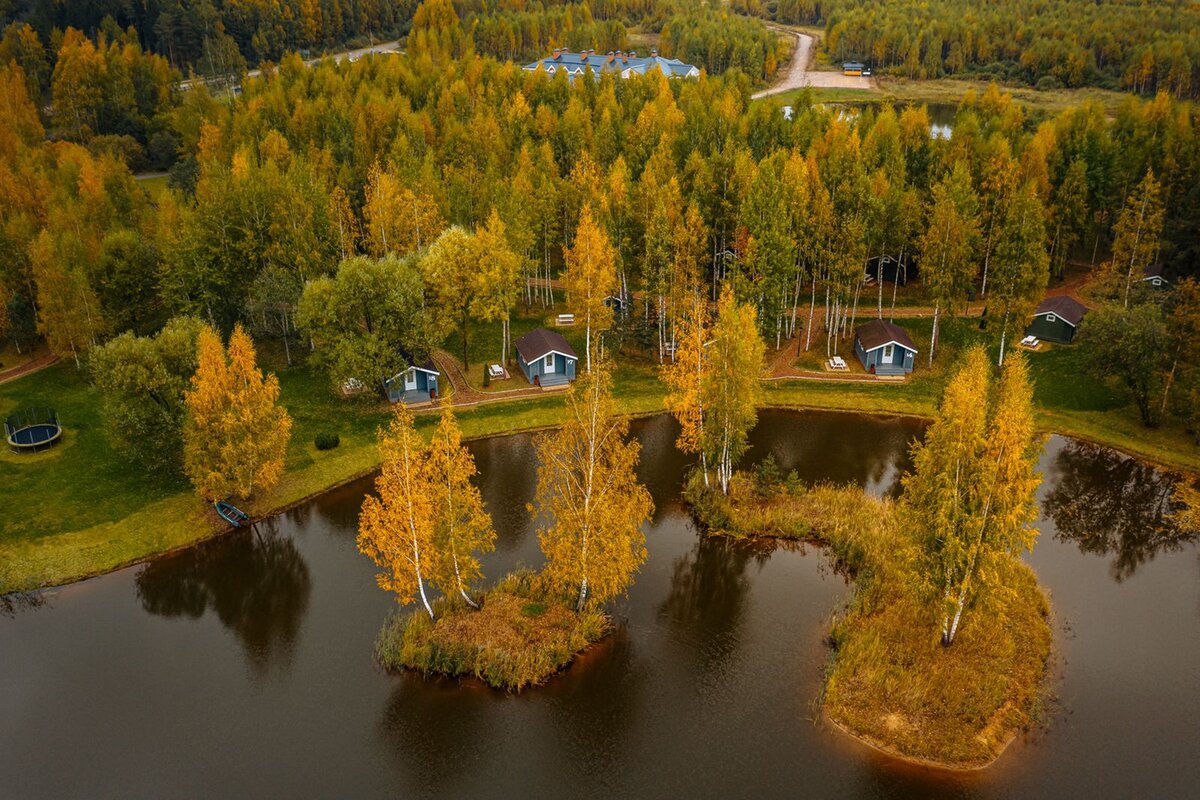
(549, 363)
(887, 353)
(1051, 318)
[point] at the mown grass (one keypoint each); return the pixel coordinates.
(85, 509)
(82, 508)
(520, 636)
(889, 681)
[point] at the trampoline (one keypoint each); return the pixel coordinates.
(33, 430)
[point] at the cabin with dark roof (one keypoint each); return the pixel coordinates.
(546, 358)
(884, 348)
(891, 268)
(1057, 319)
(417, 384)
(1154, 277)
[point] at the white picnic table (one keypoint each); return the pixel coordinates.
(496, 371)
(1030, 341)
(837, 362)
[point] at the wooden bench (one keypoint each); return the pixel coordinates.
(564, 320)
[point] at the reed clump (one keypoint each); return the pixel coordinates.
(520, 636)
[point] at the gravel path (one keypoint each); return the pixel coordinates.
(798, 75)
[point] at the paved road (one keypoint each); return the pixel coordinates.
(353, 55)
(798, 75)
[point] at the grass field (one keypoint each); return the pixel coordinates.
(950, 91)
(84, 509)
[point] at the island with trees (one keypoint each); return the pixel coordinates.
(941, 654)
(427, 526)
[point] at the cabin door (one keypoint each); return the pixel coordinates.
(548, 365)
(410, 381)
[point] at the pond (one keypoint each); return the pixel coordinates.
(941, 115)
(243, 667)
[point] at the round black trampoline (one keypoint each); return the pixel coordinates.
(33, 430)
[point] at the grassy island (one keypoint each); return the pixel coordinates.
(889, 681)
(520, 636)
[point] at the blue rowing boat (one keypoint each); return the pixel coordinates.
(232, 514)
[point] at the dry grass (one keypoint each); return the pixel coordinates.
(889, 681)
(519, 636)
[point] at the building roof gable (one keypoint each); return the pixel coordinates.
(540, 342)
(878, 333)
(1068, 309)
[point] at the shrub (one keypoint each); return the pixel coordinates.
(487, 377)
(1048, 83)
(326, 440)
(767, 476)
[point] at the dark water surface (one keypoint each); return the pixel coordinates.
(243, 667)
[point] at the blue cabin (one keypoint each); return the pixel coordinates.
(884, 348)
(546, 358)
(417, 384)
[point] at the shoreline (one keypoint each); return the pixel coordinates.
(914, 761)
(27, 582)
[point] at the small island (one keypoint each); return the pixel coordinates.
(946, 555)
(518, 636)
(428, 525)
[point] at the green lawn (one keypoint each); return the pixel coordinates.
(82, 508)
(155, 185)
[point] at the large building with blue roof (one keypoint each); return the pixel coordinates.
(623, 64)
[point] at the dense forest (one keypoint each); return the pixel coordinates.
(106, 87)
(220, 37)
(313, 165)
(1145, 46)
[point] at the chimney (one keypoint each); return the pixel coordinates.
(633, 53)
(557, 53)
(654, 54)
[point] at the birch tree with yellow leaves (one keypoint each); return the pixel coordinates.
(396, 530)
(235, 433)
(731, 387)
(685, 380)
(971, 496)
(462, 528)
(589, 493)
(500, 278)
(591, 276)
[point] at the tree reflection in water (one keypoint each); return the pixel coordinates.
(256, 583)
(708, 594)
(1109, 503)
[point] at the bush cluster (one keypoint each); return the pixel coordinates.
(326, 440)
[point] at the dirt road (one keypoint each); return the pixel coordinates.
(799, 75)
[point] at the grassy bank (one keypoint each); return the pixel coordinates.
(85, 510)
(950, 91)
(518, 637)
(889, 680)
(1068, 400)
